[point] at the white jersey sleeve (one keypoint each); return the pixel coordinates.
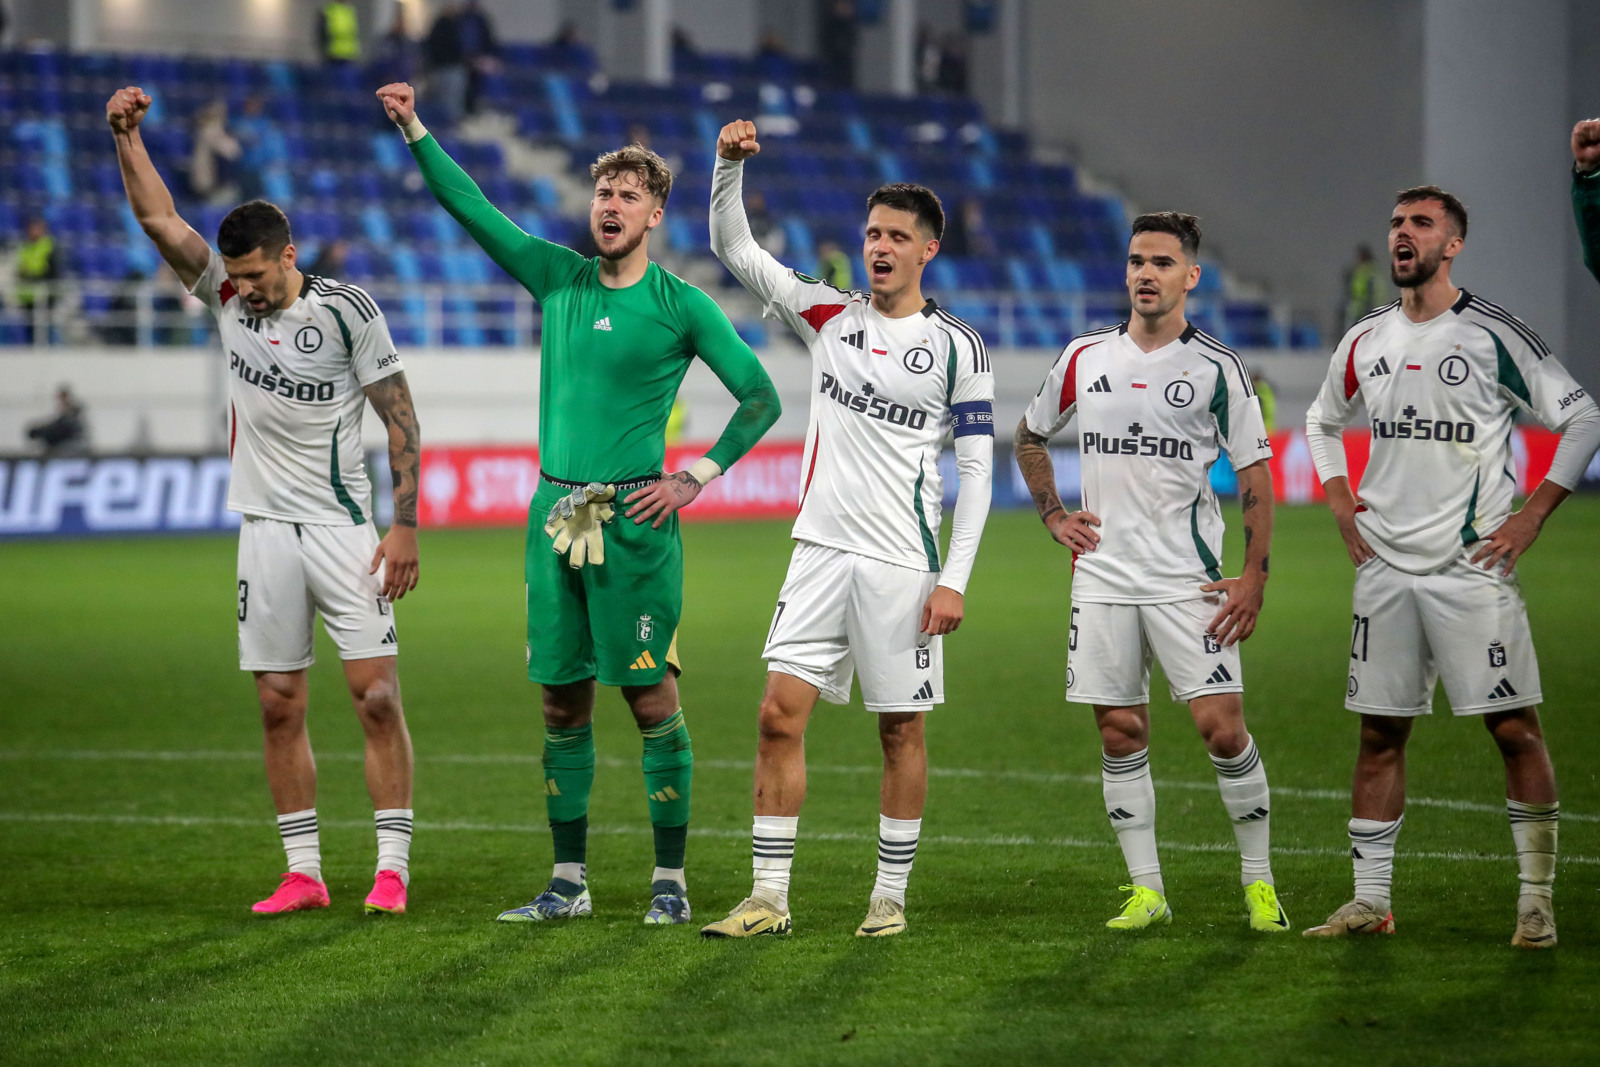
(1056, 401)
(804, 304)
(972, 424)
(213, 287)
(1536, 381)
(1332, 411)
(372, 352)
(1237, 412)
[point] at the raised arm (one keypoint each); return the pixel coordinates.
(731, 238)
(539, 265)
(184, 249)
(1586, 190)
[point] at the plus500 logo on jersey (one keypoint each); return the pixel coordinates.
(874, 407)
(274, 381)
(1141, 445)
(1415, 427)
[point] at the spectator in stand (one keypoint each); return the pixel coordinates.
(66, 431)
(330, 260)
(966, 234)
(772, 59)
(216, 151)
(121, 327)
(836, 42)
(953, 65)
(480, 49)
(1268, 398)
(263, 147)
(397, 50)
(338, 33)
(1363, 288)
(567, 47)
(930, 56)
(38, 266)
(768, 234)
(447, 64)
(833, 266)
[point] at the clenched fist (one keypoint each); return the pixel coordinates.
(400, 101)
(1586, 145)
(738, 140)
(127, 108)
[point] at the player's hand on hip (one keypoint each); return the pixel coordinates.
(127, 108)
(1076, 531)
(660, 500)
(1507, 544)
(400, 101)
(397, 553)
(1236, 621)
(738, 140)
(943, 612)
(1344, 510)
(1586, 145)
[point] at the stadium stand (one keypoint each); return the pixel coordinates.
(315, 142)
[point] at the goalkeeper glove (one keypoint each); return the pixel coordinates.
(575, 521)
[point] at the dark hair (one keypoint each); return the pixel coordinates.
(917, 199)
(636, 159)
(1453, 207)
(253, 225)
(1186, 228)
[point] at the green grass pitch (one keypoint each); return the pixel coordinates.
(136, 829)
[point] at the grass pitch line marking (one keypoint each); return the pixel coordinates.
(850, 837)
(526, 759)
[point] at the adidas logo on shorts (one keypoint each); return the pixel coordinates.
(1502, 690)
(1219, 676)
(925, 693)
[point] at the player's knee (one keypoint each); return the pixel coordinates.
(1516, 733)
(778, 725)
(281, 710)
(1225, 740)
(378, 704)
(900, 737)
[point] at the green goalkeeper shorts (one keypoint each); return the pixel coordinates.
(616, 622)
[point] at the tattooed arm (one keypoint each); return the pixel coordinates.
(1237, 619)
(673, 491)
(1075, 530)
(391, 399)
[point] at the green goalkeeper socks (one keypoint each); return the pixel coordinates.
(668, 769)
(568, 780)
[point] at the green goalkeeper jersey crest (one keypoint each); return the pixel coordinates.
(612, 359)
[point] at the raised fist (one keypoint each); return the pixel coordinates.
(1586, 145)
(400, 101)
(127, 108)
(738, 140)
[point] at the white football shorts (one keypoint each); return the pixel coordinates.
(1464, 624)
(1109, 648)
(288, 573)
(840, 613)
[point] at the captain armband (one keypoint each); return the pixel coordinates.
(975, 417)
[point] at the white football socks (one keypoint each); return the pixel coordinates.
(570, 872)
(1242, 780)
(1372, 852)
(1131, 806)
(670, 874)
(897, 848)
(1533, 828)
(394, 841)
(772, 857)
(301, 843)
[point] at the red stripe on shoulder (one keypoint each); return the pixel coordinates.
(1069, 384)
(1351, 382)
(227, 292)
(817, 315)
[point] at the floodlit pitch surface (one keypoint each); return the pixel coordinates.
(135, 831)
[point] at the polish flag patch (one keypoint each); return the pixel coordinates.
(1140, 383)
(1413, 366)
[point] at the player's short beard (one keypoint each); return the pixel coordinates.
(622, 251)
(1423, 270)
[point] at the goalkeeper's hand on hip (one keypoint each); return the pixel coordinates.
(575, 523)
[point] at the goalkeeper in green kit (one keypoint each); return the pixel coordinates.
(605, 589)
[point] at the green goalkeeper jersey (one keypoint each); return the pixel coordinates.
(1586, 206)
(612, 359)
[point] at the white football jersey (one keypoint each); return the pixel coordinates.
(1442, 396)
(1150, 424)
(883, 394)
(295, 398)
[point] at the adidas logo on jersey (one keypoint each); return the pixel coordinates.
(1100, 385)
(603, 324)
(1219, 676)
(1380, 369)
(1502, 690)
(925, 693)
(857, 339)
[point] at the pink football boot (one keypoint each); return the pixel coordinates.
(297, 892)
(388, 895)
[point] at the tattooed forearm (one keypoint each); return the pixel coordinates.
(1248, 500)
(1033, 459)
(1255, 501)
(391, 398)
